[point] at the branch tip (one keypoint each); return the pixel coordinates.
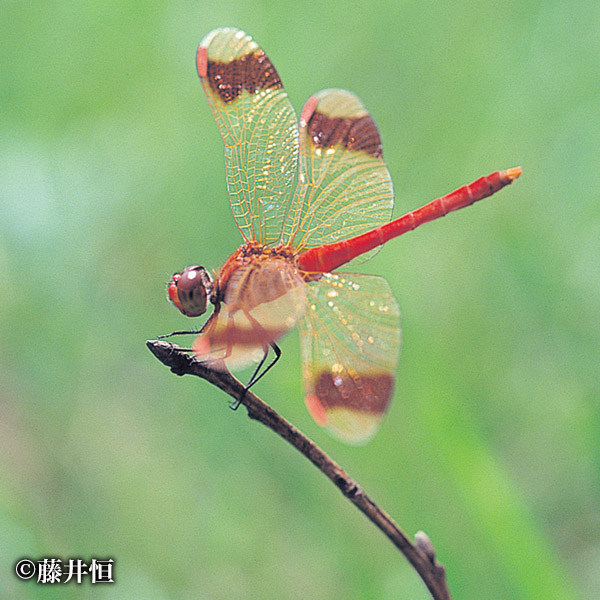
(423, 543)
(421, 554)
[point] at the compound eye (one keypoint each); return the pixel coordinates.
(190, 290)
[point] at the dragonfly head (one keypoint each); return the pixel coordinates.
(190, 290)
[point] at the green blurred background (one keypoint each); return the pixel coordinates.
(112, 177)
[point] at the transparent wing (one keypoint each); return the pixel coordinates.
(259, 128)
(344, 186)
(350, 339)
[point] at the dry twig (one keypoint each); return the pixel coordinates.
(420, 554)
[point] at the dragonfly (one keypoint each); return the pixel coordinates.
(308, 196)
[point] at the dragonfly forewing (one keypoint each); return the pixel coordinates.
(259, 128)
(344, 186)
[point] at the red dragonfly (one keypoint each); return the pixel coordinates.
(307, 197)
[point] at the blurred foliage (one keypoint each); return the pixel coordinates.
(111, 178)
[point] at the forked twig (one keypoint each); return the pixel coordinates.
(420, 554)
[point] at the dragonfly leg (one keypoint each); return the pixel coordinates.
(192, 331)
(168, 335)
(178, 368)
(257, 375)
(172, 346)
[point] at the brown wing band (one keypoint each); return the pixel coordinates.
(354, 134)
(252, 72)
(366, 394)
